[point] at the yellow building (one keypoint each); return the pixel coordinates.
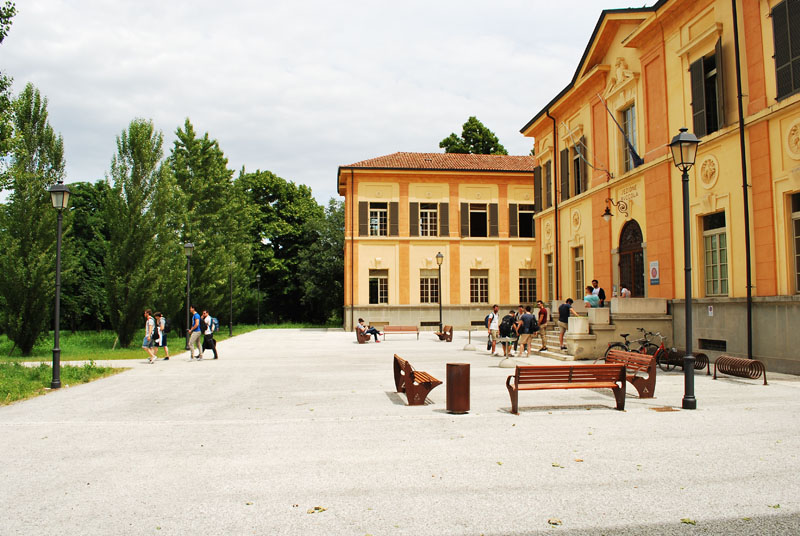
(402, 209)
(645, 73)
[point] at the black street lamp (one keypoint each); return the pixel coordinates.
(684, 152)
(439, 260)
(188, 247)
(258, 301)
(59, 196)
(230, 316)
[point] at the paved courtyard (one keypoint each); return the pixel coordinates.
(289, 420)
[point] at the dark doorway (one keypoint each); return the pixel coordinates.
(631, 259)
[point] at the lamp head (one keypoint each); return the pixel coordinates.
(59, 196)
(607, 214)
(439, 258)
(188, 247)
(684, 149)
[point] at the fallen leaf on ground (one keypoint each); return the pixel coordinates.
(774, 505)
(499, 463)
(557, 465)
(248, 503)
(578, 460)
(688, 521)
(315, 510)
(554, 521)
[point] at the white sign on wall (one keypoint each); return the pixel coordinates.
(655, 274)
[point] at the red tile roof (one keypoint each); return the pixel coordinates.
(449, 162)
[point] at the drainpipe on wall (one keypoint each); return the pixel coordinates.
(557, 263)
(352, 250)
(745, 186)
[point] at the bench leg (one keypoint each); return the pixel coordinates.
(514, 394)
(417, 394)
(619, 394)
(645, 387)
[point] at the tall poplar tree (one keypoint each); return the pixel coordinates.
(27, 222)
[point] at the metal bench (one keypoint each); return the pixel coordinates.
(414, 383)
(532, 377)
(446, 334)
(636, 366)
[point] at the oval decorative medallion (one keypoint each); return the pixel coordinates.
(709, 172)
(548, 230)
(793, 140)
(576, 219)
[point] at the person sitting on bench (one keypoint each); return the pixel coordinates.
(368, 330)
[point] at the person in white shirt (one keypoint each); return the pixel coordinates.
(208, 334)
(624, 292)
(494, 327)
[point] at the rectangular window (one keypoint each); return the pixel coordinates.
(706, 80)
(786, 36)
(548, 261)
(428, 219)
(479, 286)
(629, 128)
(579, 169)
(378, 219)
(378, 286)
(527, 286)
(796, 235)
(716, 254)
(526, 227)
(429, 286)
(478, 220)
(548, 185)
(577, 259)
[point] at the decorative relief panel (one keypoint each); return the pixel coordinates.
(548, 230)
(793, 140)
(709, 171)
(575, 217)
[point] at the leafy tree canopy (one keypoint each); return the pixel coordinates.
(475, 139)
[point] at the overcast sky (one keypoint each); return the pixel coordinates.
(300, 87)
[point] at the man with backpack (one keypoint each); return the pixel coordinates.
(527, 327)
(493, 326)
(210, 325)
(506, 331)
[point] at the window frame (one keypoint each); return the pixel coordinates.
(429, 286)
(579, 267)
(527, 286)
(431, 212)
(795, 231)
(528, 213)
(474, 209)
(381, 278)
(548, 260)
(479, 286)
(382, 228)
(717, 239)
(629, 129)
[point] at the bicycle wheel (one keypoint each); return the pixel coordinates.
(614, 346)
(648, 348)
(663, 360)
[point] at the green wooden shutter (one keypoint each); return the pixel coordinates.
(565, 174)
(444, 219)
(363, 218)
(584, 167)
(512, 220)
(413, 219)
(493, 228)
(537, 188)
(783, 57)
(720, 86)
(464, 219)
(697, 78)
(394, 210)
(548, 185)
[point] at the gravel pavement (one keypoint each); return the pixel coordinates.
(290, 420)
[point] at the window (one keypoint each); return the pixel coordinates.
(479, 286)
(527, 286)
(629, 128)
(716, 254)
(579, 171)
(378, 286)
(785, 24)
(478, 219)
(428, 219)
(548, 261)
(548, 185)
(429, 286)
(577, 259)
(796, 235)
(526, 227)
(378, 219)
(706, 78)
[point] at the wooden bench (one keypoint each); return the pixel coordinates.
(446, 334)
(408, 330)
(361, 336)
(414, 383)
(636, 366)
(532, 377)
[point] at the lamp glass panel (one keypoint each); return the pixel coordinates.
(57, 198)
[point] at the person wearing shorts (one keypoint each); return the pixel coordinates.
(543, 315)
(148, 342)
(161, 341)
(565, 310)
(525, 329)
(494, 327)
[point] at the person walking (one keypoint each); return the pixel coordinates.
(149, 333)
(564, 312)
(161, 341)
(208, 334)
(543, 318)
(493, 326)
(194, 334)
(507, 332)
(362, 327)
(599, 292)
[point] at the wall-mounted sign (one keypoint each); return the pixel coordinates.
(655, 274)
(710, 310)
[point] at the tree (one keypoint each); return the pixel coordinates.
(133, 216)
(217, 221)
(321, 268)
(281, 232)
(475, 139)
(27, 222)
(7, 12)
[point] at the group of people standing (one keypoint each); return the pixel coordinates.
(156, 328)
(523, 324)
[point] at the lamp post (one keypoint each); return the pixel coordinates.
(439, 260)
(258, 301)
(59, 196)
(684, 151)
(188, 247)
(230, 315)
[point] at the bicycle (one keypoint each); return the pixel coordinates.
(661, 353)
(626, 346)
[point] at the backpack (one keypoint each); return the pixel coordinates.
(167, 325)
(214, 324)
(486, 320)
(506, 326)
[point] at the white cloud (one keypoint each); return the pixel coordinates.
(298, 88)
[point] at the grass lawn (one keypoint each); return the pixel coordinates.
(93, 345)
(18, 382)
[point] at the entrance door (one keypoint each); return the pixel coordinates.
(631, 259)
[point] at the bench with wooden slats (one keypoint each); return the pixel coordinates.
(414, 383)
(636, 367)
(446, 334)
(408, 330)
(362, 337)
(532, 377)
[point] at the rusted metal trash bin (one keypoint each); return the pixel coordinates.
(458, 387)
